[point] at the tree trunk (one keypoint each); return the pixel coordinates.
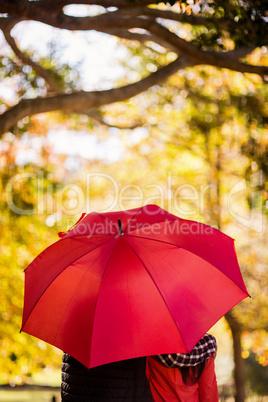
(239, 370)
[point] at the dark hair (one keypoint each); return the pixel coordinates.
(191, 375)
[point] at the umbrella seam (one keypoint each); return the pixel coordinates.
(68, 306)
(169, 219)
(131, 323)
(111, 223)
(134, 216)
(190, 251)
(88, 235)
(76, 292)
(220, 272)
(177, 325)
(82, 255)
(61, 240)
(99, 296)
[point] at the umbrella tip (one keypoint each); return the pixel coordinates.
(120, 227)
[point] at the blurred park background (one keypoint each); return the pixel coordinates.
(193, 140)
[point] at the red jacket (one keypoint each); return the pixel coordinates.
(167, 385)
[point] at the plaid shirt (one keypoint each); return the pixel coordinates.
(202, 351)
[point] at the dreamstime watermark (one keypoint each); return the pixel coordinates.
(186, 200)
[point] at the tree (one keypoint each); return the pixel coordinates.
(221, 120)
(213, 118)
(201, 136)
(23, 237)
(216, 33)
(219, 34)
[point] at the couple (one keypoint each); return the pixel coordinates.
(161, 378)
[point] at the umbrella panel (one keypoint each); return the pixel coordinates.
(51, 262)
(131, 317)
(63, 316)
(197, 293)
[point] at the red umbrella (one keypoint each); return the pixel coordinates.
(126, 284)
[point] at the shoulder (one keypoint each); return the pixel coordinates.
(201, 352)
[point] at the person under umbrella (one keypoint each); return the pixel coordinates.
(185, 376)
(123, 381)
(170, 377)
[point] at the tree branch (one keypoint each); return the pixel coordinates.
(51, 13)
(9, 22)
(129, 14)
(53, 86)
(109, 21)
(205, 57)
(23, 7)
(77, 101)
(140, 37)
(97, 115)
(171, 15)
(59, 4)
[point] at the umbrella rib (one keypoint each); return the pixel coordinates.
(82, 255)
(157, 240)
(89, 235)
(190, 251)
(70, 301)
(96, 305)
(177, 325)
(134, 216)
(107, 220)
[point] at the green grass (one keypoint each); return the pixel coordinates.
(29, 396)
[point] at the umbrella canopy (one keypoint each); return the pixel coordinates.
(133, 283)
